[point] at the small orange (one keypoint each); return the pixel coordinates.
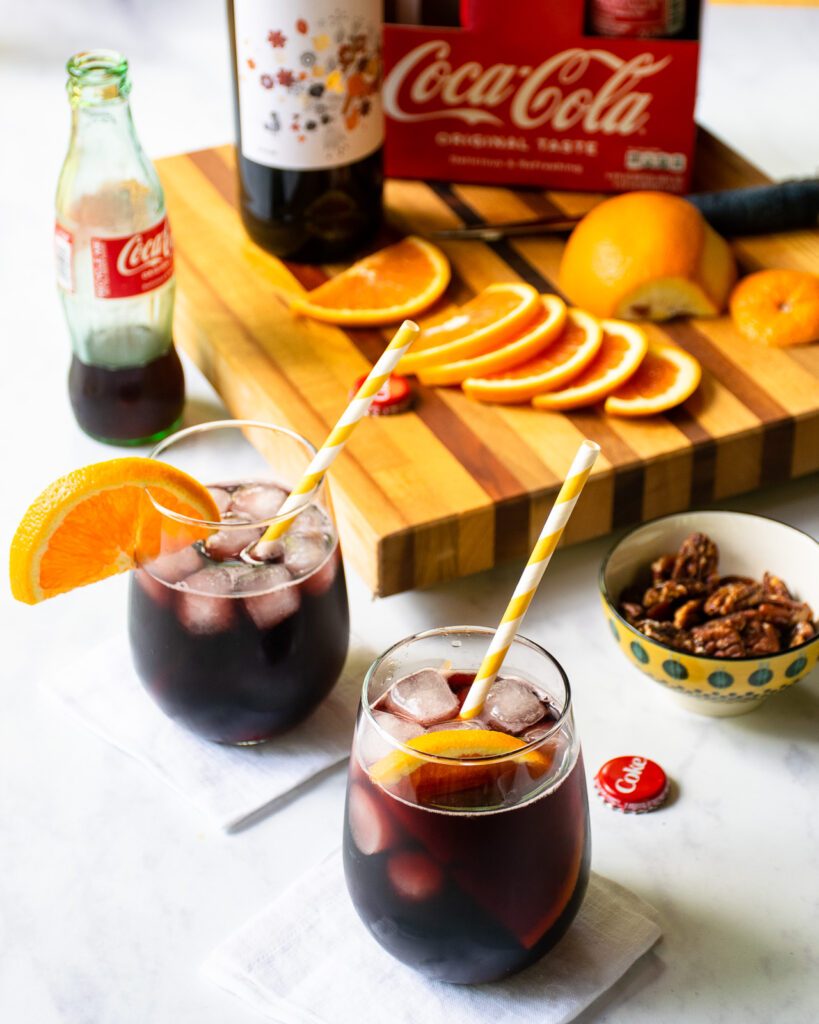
(563, 359)
(86, 526)
(622, 351)
(777, 307)
(647, 255)
(537, 335)
(486, 322)
(390, 285)
(666, 377)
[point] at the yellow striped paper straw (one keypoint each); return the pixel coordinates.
(340, 434)
(530, 579)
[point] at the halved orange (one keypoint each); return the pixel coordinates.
(486, 322)
(537, 335)
(665, 378)
(85, 526)
(777, 307)
(564, 359)
(460, 744)
(622, 351)
(390, 285)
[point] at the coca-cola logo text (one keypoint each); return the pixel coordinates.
(631, 776)
(139, 253)
(425, 84)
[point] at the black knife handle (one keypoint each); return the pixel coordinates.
(762, 209)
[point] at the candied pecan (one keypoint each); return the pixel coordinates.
(696, 559)
(723, 580)
(665, 632)
(733, 597)
(719, 637)
(688, 614)
(801, 632)
(662, 567)
(783, 612)
(631, 611)
(775, 586)
(761, 637)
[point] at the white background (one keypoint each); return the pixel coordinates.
(112, 890)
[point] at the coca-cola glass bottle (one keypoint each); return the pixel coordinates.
(309, 123)
(115, 264)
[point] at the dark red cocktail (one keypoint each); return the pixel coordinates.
(466, 845)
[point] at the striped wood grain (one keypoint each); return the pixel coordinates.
(453, 486)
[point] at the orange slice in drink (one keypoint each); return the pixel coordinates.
(564, 359)
(392, 284)
(777, 307)
(86, 526)
(666, 377)
(480, 746)
(486, 322)
(537, 335)
(622, 351)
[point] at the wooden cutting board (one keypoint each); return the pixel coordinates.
(454, 486)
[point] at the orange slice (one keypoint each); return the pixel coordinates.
(85, 526)
(391, 284)
(564, 359)
(665, 378)
(537, 335)
(622, 351)
(486, 322)
(777, 307)
(461, 744)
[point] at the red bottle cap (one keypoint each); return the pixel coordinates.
(395, 396)
(632, 783)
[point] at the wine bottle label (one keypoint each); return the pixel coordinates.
(309, 81)
(64, 257)
(132, 264)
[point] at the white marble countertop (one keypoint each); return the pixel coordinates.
(113, 890)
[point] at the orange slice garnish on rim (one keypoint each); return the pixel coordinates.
(577, 345)
(622, 351)
(390, 285)
(87, 525)
(666, 377)
(461, 745)
(537, 335)
(486, 322)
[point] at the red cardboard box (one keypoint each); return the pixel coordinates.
(520, 95)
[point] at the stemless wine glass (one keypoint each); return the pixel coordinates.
(235, 650)
(466, 849)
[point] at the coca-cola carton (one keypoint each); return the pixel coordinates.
(520, 94)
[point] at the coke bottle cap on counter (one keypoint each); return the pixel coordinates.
(395, 396)
(632, 783)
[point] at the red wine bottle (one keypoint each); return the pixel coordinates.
(309, 123)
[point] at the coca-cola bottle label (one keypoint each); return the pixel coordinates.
(309, 81)
(132, 264)
(64, 257)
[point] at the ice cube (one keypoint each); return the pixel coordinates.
(221, 497)
(204, 604)
(311, 520)
(371, 829)
(414, 875)
(322, 579)
(276, 598)
(229, 543)
(512, 706)
(176, 565)
(373, 746)
(258, 579)
(257, 501)
(303, 552)
(423, 696)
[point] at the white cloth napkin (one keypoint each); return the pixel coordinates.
(307, 959)
(233, 785)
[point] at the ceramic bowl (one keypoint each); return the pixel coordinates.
(748, 546)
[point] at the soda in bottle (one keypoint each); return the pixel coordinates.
(115, 264)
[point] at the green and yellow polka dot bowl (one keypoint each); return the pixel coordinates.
(748, 546)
